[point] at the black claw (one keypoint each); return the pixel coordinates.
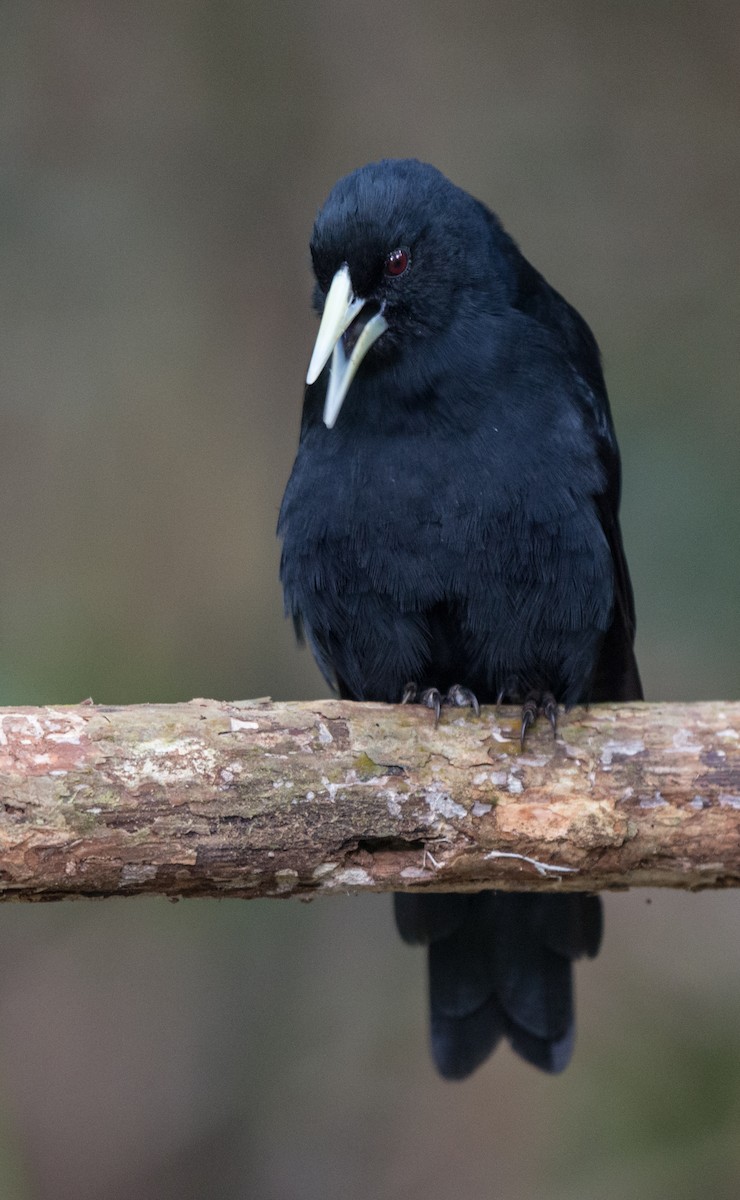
(462, 697)
(550, 705)
(457, 697)
(529, 716)
(535, 703)
(432, 698)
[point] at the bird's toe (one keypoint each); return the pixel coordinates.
(462, 697)
(550, 709)
(432, 698)
(534, 704)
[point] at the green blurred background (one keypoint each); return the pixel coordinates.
(162, 163)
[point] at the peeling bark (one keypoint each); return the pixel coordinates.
(260, 799)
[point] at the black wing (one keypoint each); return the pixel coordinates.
(616, 676)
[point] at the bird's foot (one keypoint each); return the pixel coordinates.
(456, 697)
(462, 697)
(429, 697)
(534, 704)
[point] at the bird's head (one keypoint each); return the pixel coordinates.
(392, 248)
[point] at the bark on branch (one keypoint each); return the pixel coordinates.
(261, 799)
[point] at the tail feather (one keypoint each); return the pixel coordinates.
(577, 928)
(535, 989)
(462, 968)
(551, 1055)
(500, 965)
(424, 919)
(461, 1044)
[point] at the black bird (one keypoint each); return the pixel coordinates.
(450, 535)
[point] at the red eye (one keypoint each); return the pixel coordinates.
(396, 262)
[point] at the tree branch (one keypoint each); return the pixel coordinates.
(261, 799)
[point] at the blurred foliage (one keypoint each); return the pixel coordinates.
(162, 164)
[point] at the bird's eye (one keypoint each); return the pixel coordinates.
(396, 262)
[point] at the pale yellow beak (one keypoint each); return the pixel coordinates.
(340, 310)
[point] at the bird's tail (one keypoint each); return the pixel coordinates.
(500, 967)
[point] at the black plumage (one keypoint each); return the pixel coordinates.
(451, 521)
